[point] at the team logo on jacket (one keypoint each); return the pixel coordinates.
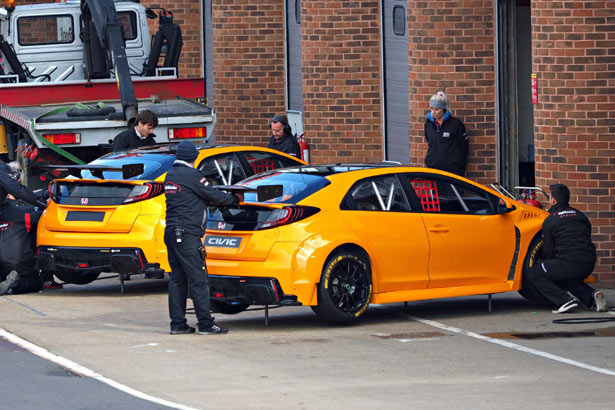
(567, 213)
(171, 188)
(84, 201)
(5, 225)
(204, 181)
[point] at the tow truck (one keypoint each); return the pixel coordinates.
(75, 73)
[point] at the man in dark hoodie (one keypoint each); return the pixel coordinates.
(282, 138)
(569, 256)
(446, 136)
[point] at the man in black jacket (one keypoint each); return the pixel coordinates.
(282, 138)
(140, 135)
(569, 257)
(446, 136)
(9, 184)
(11, 187)
(187, 195)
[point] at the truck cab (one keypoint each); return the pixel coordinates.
(46, 39)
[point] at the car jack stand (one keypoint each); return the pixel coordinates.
(489, 302)
(121, 285)
(266, 315)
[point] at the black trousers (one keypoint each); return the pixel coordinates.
(555, 277)
(187, 272)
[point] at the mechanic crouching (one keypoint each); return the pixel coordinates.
(569, 257)
(18, 232)
(187, 195)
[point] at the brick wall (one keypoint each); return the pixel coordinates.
(574, 120)
(249, 68)
(341, 80)
(187, 14)
(452, 48)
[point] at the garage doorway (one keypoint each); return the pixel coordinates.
(515, 108)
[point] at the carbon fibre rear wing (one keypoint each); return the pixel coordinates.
(263, 192)
(128, 170)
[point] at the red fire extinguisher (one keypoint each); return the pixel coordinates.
(529, 197)
(305, 148)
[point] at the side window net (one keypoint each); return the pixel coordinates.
(427, 191)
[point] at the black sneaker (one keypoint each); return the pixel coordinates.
(183, 331)
(600, 304)
(213, 330)
(571, 304)
(154, 275)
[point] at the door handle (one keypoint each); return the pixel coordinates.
(438, 229)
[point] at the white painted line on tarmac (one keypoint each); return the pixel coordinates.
(84, 371)
(510, 345)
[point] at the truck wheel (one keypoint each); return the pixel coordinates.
(527, 290)
(227, 308)
(78, 278)
(345, 287)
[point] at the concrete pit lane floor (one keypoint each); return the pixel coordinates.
(447, 353)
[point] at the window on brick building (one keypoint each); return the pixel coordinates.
(399, 20)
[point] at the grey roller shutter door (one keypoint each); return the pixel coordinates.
(293, 49)
(396, 94)
(209, 52)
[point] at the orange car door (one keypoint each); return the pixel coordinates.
(469, 243)
(395, 238)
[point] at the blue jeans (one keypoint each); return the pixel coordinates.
(188, 271)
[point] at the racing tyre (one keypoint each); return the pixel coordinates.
(528, 291)
(345, 287)
(78, 278)
(227, 308)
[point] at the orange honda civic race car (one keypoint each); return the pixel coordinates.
(339, 237)
(110, 218)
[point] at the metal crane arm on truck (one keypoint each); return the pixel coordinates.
(103, 16)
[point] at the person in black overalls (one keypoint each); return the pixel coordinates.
(446, 137)
(282, 138)
(17, 255)
(187, 195)
(569, 257)
(141, 135)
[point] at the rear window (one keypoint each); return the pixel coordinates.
(93, 194)
(154, 165)
(296, 186)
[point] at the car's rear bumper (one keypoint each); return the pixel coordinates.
(250, 290)
(88, 260)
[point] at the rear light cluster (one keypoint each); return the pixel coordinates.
(143, 192)
(288, 215)
(185, 133)
(65, 138)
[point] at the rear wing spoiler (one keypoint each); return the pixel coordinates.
(263, 192)
(128, 170)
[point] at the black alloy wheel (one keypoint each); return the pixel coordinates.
(345, 288)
